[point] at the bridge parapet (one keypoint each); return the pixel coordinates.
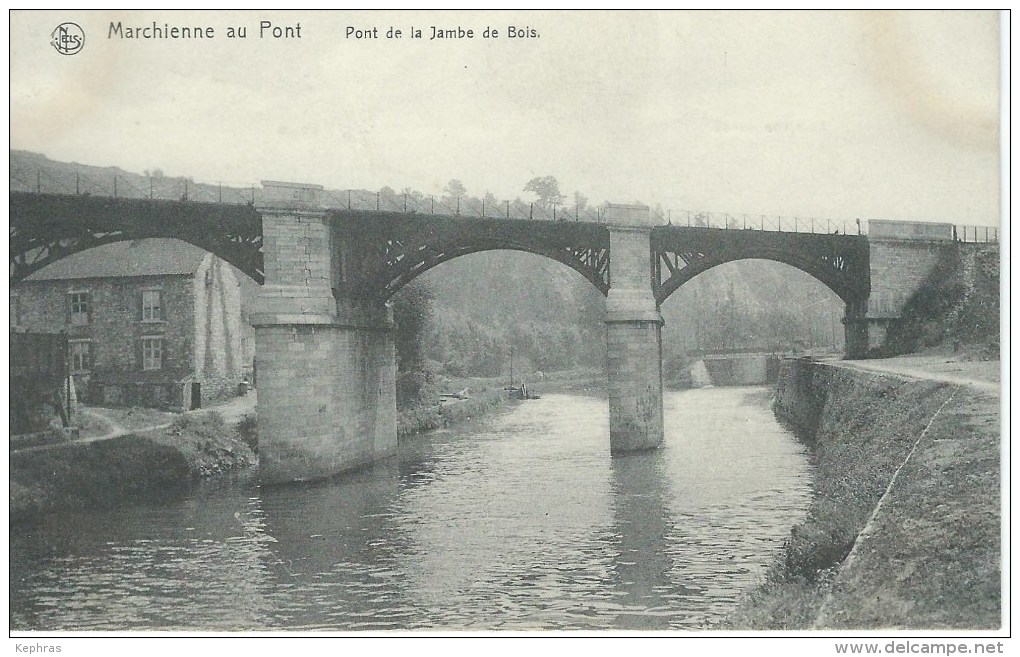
(278, 195)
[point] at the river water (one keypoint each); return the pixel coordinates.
(520, 520)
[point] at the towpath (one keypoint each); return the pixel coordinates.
(119, 422)
(984, 376)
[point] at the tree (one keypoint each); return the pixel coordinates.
(547, 189)
(580, 200)
(455, 189)
(412, 313)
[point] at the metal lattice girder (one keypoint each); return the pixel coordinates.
(388, 250)
(680, 253)
(47, 227)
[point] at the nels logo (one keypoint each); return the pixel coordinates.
(68, 38)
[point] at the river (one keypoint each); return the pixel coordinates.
(517, 521)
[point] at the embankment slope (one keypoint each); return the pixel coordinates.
(904, 528)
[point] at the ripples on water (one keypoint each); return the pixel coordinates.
(518, 521)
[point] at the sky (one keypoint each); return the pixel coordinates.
(877, 115)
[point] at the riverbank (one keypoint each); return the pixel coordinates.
(904, 529)
(145, 456)
(488, 394)
(141, 467)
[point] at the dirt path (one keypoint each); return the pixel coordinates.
(979, 375)
(115, 430)
(232, 412)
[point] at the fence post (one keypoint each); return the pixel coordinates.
(780, 219)
(77, 183)
(812, 225)
(221, 192)
(531, 212)
(508, 209)
(763, 222)
(114, 185)
(38, 181)
(405, 203)
(483, 208)
(458, 206)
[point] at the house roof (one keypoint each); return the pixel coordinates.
(148, 257)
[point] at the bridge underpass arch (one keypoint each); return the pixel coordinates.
(840, 263)
(592, 267)
(487, 305)
(758, 306)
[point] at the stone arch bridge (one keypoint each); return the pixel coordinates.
(324, 331)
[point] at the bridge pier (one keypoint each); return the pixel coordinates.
(634, 334)
(325, 368)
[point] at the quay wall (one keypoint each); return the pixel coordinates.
(904, 527)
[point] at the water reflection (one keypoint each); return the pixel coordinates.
(642, 527)
(518, 521)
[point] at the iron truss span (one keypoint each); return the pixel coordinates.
(385, 251)
(47, 227)
(680, 253)
(379, 252)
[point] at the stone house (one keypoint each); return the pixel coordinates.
(155, 322)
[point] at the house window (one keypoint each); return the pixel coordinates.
(152, 353)
(79, 308)
(81, 355)
(151, 308)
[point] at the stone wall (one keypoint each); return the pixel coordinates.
(326, 364)
(738, 369)
(326, 399)
(635, 385)
(634, 334)
(219, 330)
(200, 323)
(115, 328)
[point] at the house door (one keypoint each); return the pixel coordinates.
(196, 395)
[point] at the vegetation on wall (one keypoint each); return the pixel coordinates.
(955, 309)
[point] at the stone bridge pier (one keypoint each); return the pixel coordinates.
(325, 360)
(634, 333)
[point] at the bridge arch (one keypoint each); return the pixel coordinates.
(397, 249)
(581, 263)
(45, 228)
(840, 262)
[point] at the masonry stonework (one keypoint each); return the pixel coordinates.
(326, 363)
(903, 256)
(634, 334)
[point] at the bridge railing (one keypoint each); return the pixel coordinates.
(772, 223)
(120, 184)
(976, 233)
(464, 206)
